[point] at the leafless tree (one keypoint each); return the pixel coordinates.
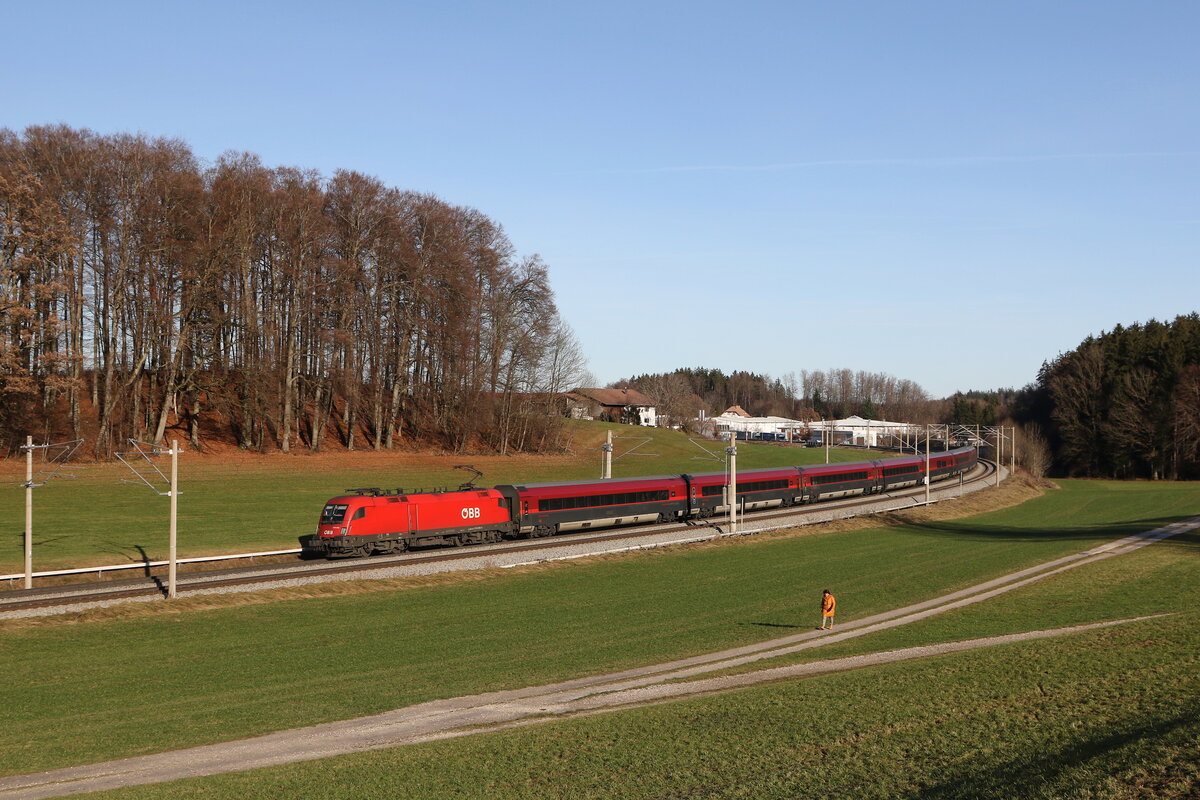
(1033, 452)
(276, 304)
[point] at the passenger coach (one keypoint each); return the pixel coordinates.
(543, 509)
(758, 488)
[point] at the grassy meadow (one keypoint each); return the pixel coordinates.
(239, 502)
(1108, 715)
(162, 677)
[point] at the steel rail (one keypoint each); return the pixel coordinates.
(105, 568)
(154, 586)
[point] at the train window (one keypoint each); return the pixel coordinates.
(839, 478)
(592, 501)
(907, 469)
(749, 486)
(333, 513)
(762, 486)
(362, 512)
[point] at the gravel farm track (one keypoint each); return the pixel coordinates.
(646, 685)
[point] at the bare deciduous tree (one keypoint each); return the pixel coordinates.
(271, 303)
(1033, 453)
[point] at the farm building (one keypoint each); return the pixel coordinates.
(614, 405)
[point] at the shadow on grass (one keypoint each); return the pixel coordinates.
(18, 539)
(45, 540)
(129, 552)
(769, 625)
(159, 583)
(960, 529)
(143, 558)
(1100, 754)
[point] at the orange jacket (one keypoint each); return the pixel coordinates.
(828, 604)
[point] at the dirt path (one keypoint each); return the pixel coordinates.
(496, 710)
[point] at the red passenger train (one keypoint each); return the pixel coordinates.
(374, 520)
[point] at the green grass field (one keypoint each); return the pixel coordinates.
(1109, 714)
(244, 503)
(78, 693)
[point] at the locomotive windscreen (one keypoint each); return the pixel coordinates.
(333, 513)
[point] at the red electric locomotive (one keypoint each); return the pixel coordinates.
(372, 521)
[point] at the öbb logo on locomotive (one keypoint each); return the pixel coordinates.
(368, 521)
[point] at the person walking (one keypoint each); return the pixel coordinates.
(828, 607)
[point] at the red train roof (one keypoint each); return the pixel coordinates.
(418, 497)
(828, 469)
(599, 486)
(745, 475)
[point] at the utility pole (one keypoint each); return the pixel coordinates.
(926, 465)
(999, 452)
(62, 454)
(731, 451)
(28, 512)
(607, 447)
(174, 508)
(827, 434)
(1012, 453)
(172, 492)
(999, 455)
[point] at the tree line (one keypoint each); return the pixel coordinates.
(1123, 404)
(807, 395)
(141, 291)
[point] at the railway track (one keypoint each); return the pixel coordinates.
(247, 577)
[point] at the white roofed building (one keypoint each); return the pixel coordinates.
(851, 430)
(736, 420)
(865, 432)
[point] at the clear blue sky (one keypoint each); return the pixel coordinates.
(950, 192)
